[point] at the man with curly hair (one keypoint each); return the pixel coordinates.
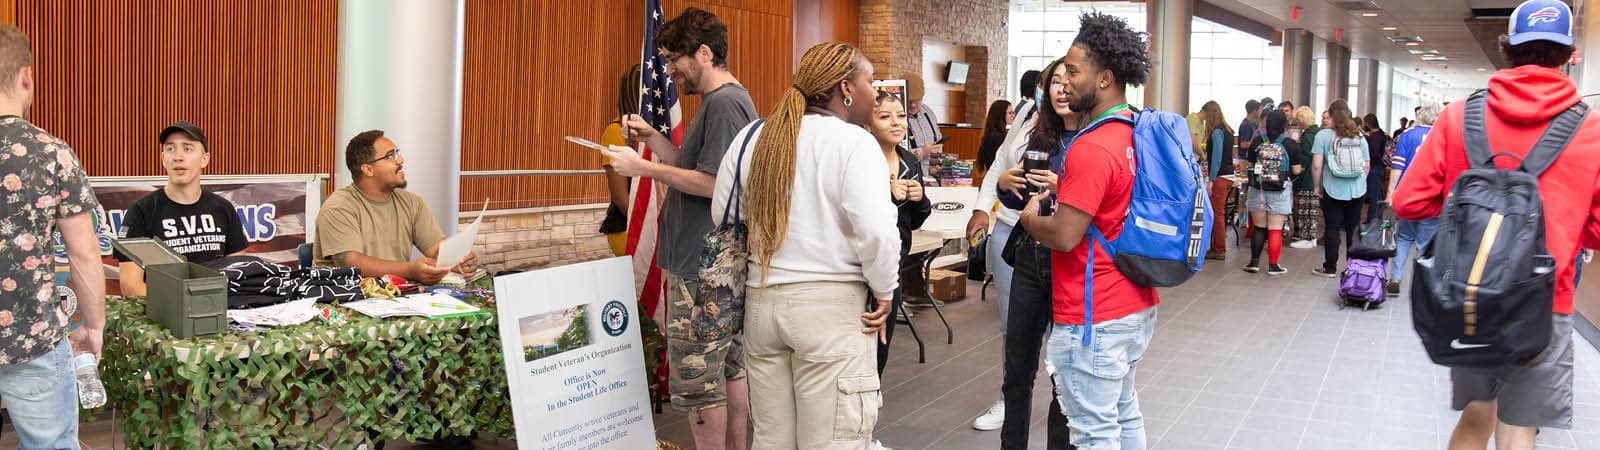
(707, 375)
(1095, 187)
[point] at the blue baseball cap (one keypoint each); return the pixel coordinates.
(1541, 20)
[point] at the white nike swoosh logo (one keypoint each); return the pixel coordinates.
(1456, 344)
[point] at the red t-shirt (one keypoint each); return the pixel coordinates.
(1098, 180)
(1521, 103)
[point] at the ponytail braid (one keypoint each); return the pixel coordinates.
(771, 181)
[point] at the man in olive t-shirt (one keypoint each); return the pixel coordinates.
(373, 223)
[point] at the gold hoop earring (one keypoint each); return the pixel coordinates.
(848, 101)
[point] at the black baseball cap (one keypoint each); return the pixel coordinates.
(185, 127)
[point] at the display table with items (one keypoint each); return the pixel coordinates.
(338, 381)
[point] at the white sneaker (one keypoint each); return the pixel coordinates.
(991, 420)
(878, 445)
(1303, 244)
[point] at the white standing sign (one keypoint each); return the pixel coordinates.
(952, 207)
(574, 359)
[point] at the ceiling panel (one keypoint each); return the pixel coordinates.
(1440, 23)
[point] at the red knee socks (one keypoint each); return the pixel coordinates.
(1274, 245)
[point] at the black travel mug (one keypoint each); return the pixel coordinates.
(1036, 160)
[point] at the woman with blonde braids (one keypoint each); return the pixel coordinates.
(821, 244)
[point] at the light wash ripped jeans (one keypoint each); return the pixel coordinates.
(1096, 381)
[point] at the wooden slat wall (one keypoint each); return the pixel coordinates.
(818, 21)
(257, 75)
(963, 141)
(536, 71)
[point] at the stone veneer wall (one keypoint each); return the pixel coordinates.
(892, 32)
(536, 239)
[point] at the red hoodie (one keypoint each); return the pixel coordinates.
(1521, 103)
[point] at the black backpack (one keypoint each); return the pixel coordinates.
(1484, 286)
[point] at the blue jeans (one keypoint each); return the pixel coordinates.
(1096, 381)
(1408, 233)
(997, 266)
(42, 398)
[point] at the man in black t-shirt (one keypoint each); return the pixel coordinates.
(200, 225)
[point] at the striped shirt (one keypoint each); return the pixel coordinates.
(923, 128)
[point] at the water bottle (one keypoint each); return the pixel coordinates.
(91, 394)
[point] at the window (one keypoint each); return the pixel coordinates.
(1225, 65)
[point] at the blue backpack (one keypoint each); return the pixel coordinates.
(1168, 226)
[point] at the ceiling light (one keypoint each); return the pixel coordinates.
(1413, 44)
(1415, 51)
(1480, 69)
(1434, 58)
(1369, 14)
(1390, 28)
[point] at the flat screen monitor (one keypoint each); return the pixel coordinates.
(956, 73)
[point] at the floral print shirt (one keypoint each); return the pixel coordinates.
(40, 182)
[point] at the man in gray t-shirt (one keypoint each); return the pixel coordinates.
(705, 373)
(686, 215)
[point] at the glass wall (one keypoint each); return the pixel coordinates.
(1231, 67)
(1409, 93)
(1226, 65)
(1042, 31)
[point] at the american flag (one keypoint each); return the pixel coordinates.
(658, 104)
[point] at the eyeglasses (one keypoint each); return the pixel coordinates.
(390, 155)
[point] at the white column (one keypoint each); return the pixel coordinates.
(1367, 87)
(1297, 67)
(1588, 75)
(1169, 25)
(1338, 72)
(400, 71)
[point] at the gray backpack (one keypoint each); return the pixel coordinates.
(1485, 284)
(1347, 159)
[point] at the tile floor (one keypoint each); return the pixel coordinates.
(1239, 361)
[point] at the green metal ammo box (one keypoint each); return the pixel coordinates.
(187, 298)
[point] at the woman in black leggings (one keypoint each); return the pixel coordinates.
(1341, 197)
(888, 126)
(1029, 316)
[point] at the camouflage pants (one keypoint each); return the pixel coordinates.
(700, 369)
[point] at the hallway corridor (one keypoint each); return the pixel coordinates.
(1239, 361)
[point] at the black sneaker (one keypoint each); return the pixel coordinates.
(1276, 270)
(1324, 272)
(1253, 267)
(1393, 289)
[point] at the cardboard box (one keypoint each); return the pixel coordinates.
(187, 298)
(947, 285)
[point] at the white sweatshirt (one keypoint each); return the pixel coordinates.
(1007, 156)
(841, 222)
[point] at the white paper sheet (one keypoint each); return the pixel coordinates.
(454, 248)
(428, 305)
(282, 314)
